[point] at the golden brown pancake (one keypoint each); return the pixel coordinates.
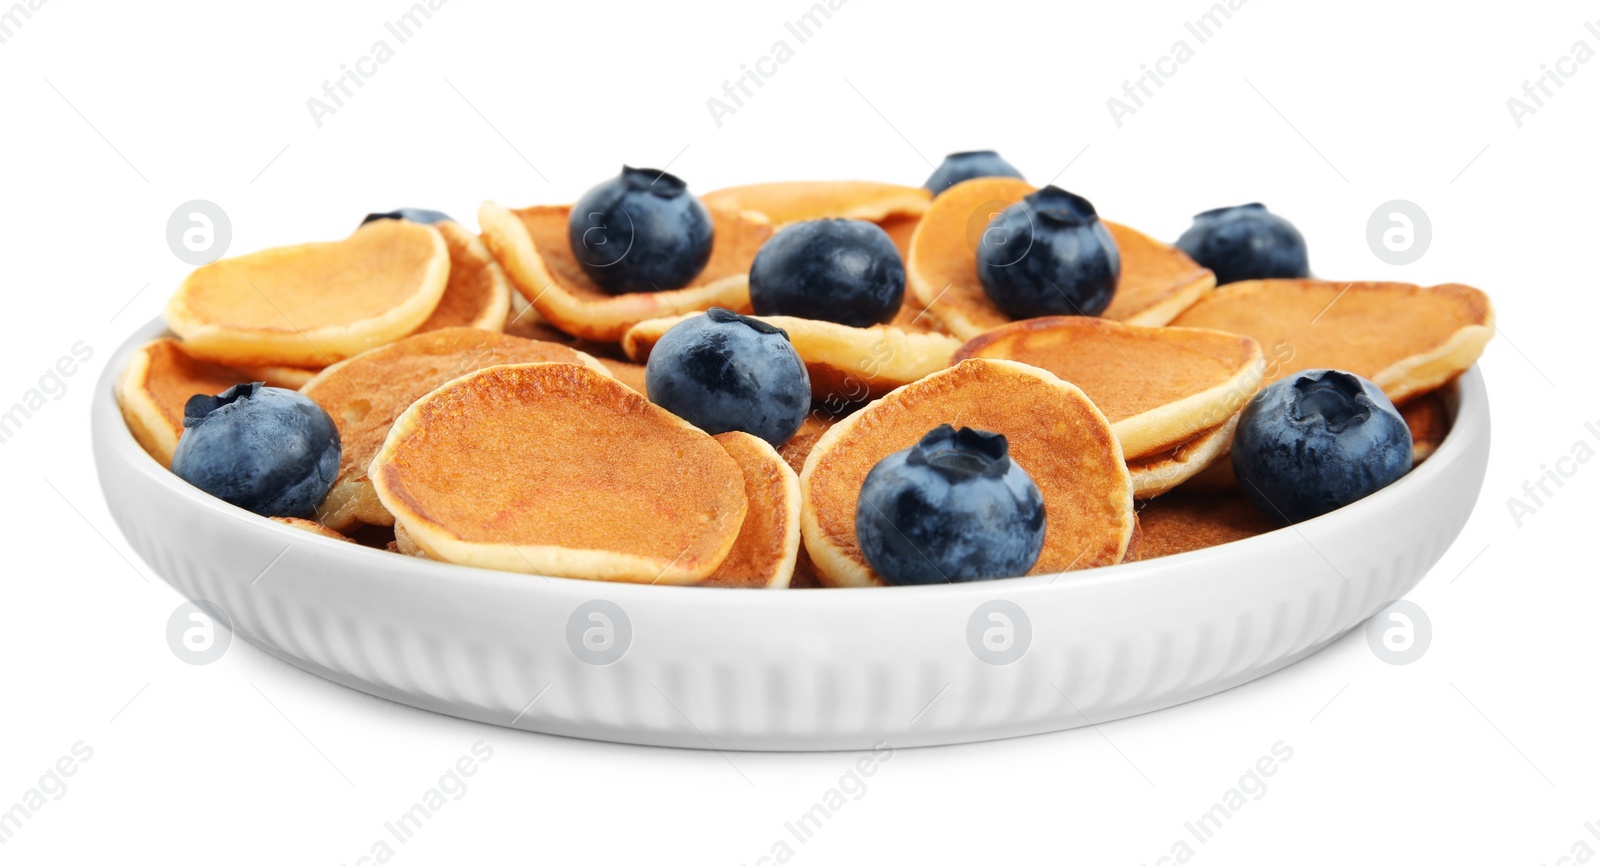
(159, 379)
(764, 554)
(1055, 433)
(478, 294)
(313, 304)
(531, 244)
(276, 376)
(1158, 387)
(1157, 281)
(557, 469)
(1155, 474)
(900, 228)
(801, 200)
(1405, 338)
(1183, 521)
(847, 365)
(312, 527)
(798, 448)
(1428, 416)
(368, 392)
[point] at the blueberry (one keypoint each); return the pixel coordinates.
(1049, 255)
(413, 214)
(1246, 242)
(1316, 441)
(723, 371)
(640, 232)
(845, 271)
(967, 165)
(953, 507)
(263, 449)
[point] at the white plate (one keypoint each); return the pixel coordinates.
(792, 670)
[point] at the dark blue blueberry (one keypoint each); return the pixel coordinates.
(1049, 255)
(953, 507)
(967, 165)
(1316, 441)
(723, 371)
(413, 214)
(641, 231)
(845, 271)
(263, 449)
(1246, 242)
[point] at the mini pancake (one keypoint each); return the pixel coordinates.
(160, 378)
(1158, 387)
(847, 365)
(1055, 433)
(557, 469)
(798, 448)
(478, 294)
(531, 244)
(403, 543)
(1157, 281)
(764, 554)
(797, 201)
(1428, 416)
(1158, 473)
(524, 321)
(277, 376)
(313, 304)
(365, 394)
(900, 229)
(312, 527)
(1405, 338)
(1184, 521)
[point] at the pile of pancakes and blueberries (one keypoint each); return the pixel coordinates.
(798, 384)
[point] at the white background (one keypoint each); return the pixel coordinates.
(114, 113)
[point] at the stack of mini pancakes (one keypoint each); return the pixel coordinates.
(490, 398)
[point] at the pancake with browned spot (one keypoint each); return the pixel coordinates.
(1155, 474)
(532, 245)
(1157, 281)
(1405, 338)
(847, 365)
(1182, 521)
(159, 379)
(1054, 432)
(1158, 387)
(478, 294)
(313, 304)
(557, 469)
(365, 394)
(764, 554)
